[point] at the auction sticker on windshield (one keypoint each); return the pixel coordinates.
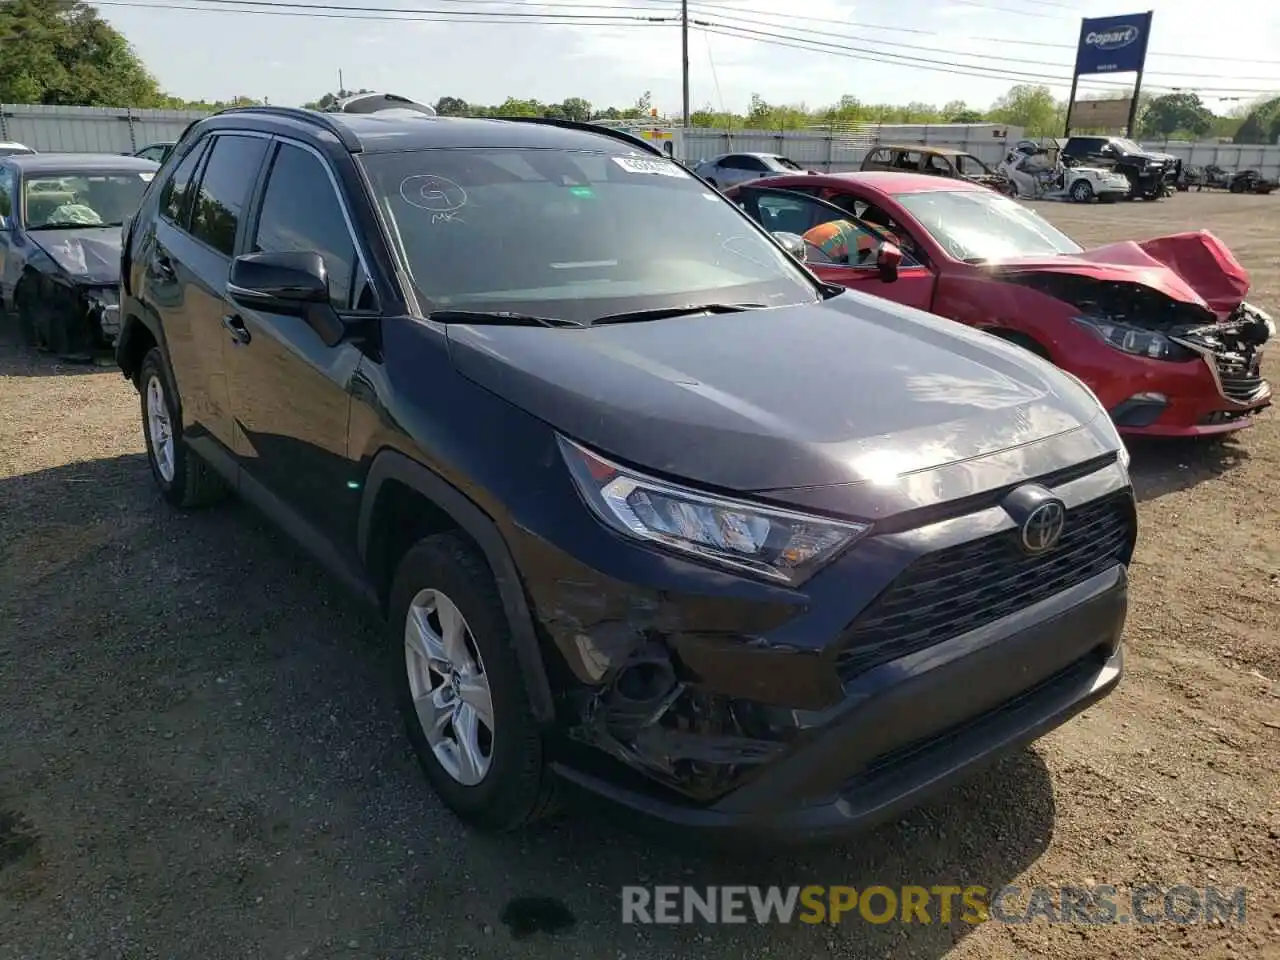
(662, 168)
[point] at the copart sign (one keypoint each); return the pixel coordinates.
(1113, 44)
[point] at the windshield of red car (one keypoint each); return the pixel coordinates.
(573, 234)
(985, 225)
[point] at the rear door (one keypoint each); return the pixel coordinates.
(189, 267)
(785, 211)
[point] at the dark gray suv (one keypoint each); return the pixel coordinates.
(644, 504)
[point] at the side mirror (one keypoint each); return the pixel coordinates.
(290, 282)
(793, 243)
(887, 262)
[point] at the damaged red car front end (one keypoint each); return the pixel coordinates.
(1159, 329)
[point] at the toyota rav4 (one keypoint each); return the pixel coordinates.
(646, 505)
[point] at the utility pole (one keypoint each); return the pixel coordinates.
(341, 88)
(684, 56)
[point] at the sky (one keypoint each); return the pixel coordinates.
(216, 49)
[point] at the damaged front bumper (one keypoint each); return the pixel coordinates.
(1223, 390)
(827, 714)
(78, 319)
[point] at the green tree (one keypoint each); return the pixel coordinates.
(575, 108)
(1261, 124)
(1176, 113)
(1032, 108)
(452, 107)
(62, 52)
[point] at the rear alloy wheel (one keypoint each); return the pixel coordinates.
(184, 479)
(1081, 191)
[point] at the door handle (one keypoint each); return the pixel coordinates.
(235, 326)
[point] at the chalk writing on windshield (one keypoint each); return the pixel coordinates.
(438, 196)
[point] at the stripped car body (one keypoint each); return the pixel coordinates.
(1159, 330)
(60, 246)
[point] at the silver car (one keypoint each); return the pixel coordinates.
(731, 169)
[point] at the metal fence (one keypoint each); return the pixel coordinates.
(842, 151)
(122, 130)
(90, 129)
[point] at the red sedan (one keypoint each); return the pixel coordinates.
(1159, 330)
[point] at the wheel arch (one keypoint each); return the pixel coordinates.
(393, 475)
(138, 334)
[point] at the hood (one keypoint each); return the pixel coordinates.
(1194, 267)
(89, 254)
(850, 390)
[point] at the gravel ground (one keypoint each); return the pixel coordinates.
(198, 757)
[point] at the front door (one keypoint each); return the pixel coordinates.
(290, 392)
(841, 248)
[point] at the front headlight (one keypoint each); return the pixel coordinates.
(777, 544)
(1135, 340)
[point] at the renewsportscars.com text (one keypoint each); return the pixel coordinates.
(814, 904)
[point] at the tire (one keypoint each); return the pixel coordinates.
(515, 787)
(184, 479)
(28, 330)
(1081, 191)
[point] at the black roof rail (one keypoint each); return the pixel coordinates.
(344, 135)
(587, 127)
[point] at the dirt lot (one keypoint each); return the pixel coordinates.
(198, 758)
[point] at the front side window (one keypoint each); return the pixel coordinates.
(224, 188)
(978, 225)
(68, 199)
(970, 166)
(572, 234)
(301, 212)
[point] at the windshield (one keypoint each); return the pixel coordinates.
(786, 163)
(1126, 146)
(82, 198)
(985, 225)
(574, 235)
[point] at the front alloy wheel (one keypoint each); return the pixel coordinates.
(449, 686)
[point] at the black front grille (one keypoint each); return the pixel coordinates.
(964, 587)
(1240, 376)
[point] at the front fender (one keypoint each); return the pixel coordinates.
(392, 465)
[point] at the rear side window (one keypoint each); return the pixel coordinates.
(173, 199)
(301, 211)
(229, 175)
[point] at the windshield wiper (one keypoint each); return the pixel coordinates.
(662, 313)
(499, 317)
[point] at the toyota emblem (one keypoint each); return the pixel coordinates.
(1043, 527)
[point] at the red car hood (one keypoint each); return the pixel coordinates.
(1194, 267)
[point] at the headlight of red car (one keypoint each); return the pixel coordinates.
(1136, 341)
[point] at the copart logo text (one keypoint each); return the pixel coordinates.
(1112, 39)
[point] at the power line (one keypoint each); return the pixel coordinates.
(1000, 41)
(923, 63)
(281, 8)
(984, 56)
